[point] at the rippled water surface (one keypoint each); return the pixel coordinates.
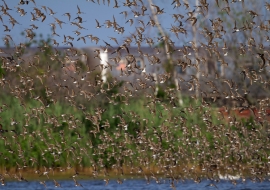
(135, 184)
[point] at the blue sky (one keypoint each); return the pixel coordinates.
(94, 11)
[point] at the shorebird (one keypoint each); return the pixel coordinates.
(56, 184)
(158, 10)
(98, 25)
(79, 10)
(77, 184)
(68, 15)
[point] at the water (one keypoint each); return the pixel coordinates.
(138, 184)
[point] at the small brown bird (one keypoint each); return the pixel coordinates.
(22, 2)
(130, 20)
(51, 11)
(124, 13)
(56, 184)
(43, 183)
(227, 10)
(77, 184)
(6, 28)
(68, 15)
(107, 181)
(193, 20)
(44, 8)
(261, 55)
(98, 25)
(124, 46)
(114, 39)
(158, 10)
(79, 10)
(59, 22)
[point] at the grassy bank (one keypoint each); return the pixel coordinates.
(122, 138)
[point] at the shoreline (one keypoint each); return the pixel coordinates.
(87, 174)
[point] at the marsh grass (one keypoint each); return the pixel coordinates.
(40, 141)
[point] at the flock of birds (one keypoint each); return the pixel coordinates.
(178, 149)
